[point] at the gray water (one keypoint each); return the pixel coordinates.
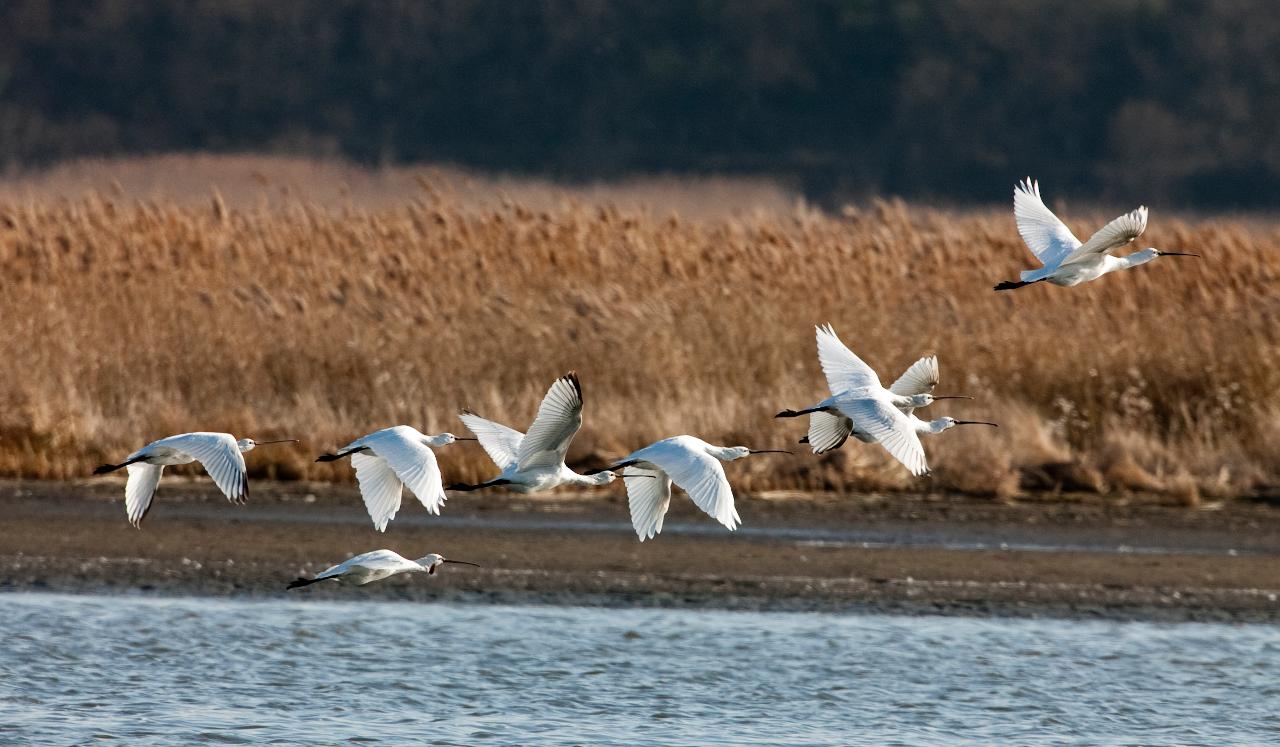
(136, 671)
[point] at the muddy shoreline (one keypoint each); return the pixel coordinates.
(1075, 557)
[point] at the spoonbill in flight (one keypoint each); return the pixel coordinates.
(220, 454)
(375, 566)
(534, 461)
(846, 372)
(692, 464)
(387, 460)
(1066, 261)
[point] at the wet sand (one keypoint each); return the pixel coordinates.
(1062, 556)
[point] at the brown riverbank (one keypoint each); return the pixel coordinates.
(1088, 557)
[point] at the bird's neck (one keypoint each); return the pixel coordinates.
(600, 478)
(723, 453)
(1135, 259)
(930, 427)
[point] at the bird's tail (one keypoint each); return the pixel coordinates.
(300, 582)
(798, 413)
(1008, 285)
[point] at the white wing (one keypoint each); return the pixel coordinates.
(1047, 237)
(221, 458)
(558, 420)
(828, 431)
(845, 371)
(649, 498)
(376, 560)
(890, 427)
(143, 479)
(1112, 236)
(379, 487)
(501, 443)
(697, 473)
(921, 378)
(413, 463)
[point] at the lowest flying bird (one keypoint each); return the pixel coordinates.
(692, 464)
(1066, 260)
(221, 455)
(534, 461)
(387, 460)
(375, 566)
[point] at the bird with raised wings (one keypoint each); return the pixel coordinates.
(221, 455)
(375, 566)
(387, 460)
(534, 461)
(692, 464)
(1065, 260)
(861, 406)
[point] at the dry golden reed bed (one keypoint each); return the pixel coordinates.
(127, 319)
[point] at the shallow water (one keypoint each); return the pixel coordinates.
(139, 671)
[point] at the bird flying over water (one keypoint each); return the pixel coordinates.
(860, 406)
(387, 460)
(692, 464)
(1066, 260)
(534, 461)
(220, 454)
(375, 566)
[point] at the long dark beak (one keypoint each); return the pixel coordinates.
(278, 441)
(954, 396)
(459, 438)
(976, 422)
(460, 562)
(768, 451)
(626, 476)
(1178, 254)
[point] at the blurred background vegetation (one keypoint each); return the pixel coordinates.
(1165, 101)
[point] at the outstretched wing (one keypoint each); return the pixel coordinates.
(921, 378)
(558, 420)
(828, 431)
(649, 497)
(138, 491)
(890, 427)
(844, 370)
(501, 443)
(415, 465)
(375, 560)
(379, 487)
(1112, 236)
(1046, 236)
(221, 458)
(697, 473)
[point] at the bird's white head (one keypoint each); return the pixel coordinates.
(942, 424)
(924, 400)
(248, 444)
(603, 478)
(433, 561)
(1150, 253)
(444, 439)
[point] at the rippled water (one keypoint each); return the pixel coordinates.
(138, 671)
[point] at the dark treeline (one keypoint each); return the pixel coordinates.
(1143, 99)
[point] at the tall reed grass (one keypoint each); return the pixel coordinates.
(127, 319)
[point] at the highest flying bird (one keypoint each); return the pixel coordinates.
(1066, 260)
(220, 454)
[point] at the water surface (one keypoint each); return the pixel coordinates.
(138, 671)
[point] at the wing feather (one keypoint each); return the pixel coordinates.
(920, 378)
(379, 487)
(1047, 237)
(139, 490)
(844, 370)
(697, 473)
(557, 422)
(1112, 236)
(828, 431)
(648, 497)
(220, 456)
(415, 465)
(501, 443)
(890, 428)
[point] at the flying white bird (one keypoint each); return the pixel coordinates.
(534, 461)
(852, 380)
(375, 566)
(220, 454)
(1066, 260)
(387, 460)
(692, 464)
